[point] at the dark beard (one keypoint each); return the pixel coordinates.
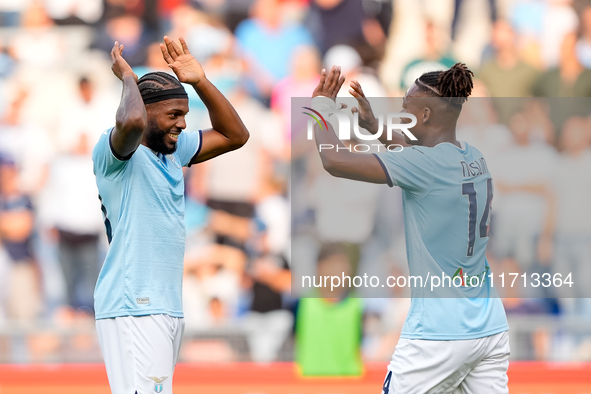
(155, 139)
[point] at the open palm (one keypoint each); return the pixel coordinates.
(367, 119)
(179, 59)
(120, 67)
(329, 86)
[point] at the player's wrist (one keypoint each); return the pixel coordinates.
(199, 83)
(373, 127)
(323, 104)
(128, 75)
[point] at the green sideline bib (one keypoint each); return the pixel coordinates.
(328, 337)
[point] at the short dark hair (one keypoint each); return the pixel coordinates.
(156, 82)
(453, 85)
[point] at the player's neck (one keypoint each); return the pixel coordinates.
(440, 137)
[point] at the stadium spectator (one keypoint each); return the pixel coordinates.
(5, 266)
(352, 66)
(183, 18)
(154, 61)
(328, 322)
(38, 44)
(233, 202)
(573, 237)
(480, 126)
(210, 41)
(26, 142)
(538, 115)
(216, 48)
(383, 321)
(524, 207)
(492, 8)
(84, 115)
(583, 47)
(364, 30)
(267, 324)
(503, 71)
(129, 30)
(559, 21)
(211, 286)
(336, 221)
(543, 25)
(302, 79)
(572, 187)
(7, 65)
(268, 44)
(74, 12)
(569, 79)
(139, 8)
(10, 12)
(74, 211)
(16, 234)
(433, 58)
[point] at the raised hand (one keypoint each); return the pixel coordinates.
(329, 86)
(120, 67)
(367, 120)
(184, 65)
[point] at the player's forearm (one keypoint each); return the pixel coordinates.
(131, 119)
(224, 117)
(340, 162)
(131, 114)
(329, 147)
(336, 158)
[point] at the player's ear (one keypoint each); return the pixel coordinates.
(426, 116)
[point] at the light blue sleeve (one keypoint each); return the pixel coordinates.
(105, 161)
(411, 169)
(188, 146)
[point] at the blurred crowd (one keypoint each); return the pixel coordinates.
(57, 95)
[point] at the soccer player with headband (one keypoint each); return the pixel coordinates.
(454, 340)
(138, 168)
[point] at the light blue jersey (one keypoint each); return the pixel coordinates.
(447, 193)
(144, 207)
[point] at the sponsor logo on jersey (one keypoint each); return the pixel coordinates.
(470, 280)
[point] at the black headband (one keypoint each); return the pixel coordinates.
(431, 88)
(161, 95)
(450, 100)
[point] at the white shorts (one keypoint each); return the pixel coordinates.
(140, 352)
(473, 366)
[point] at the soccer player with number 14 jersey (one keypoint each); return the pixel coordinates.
(455, 340)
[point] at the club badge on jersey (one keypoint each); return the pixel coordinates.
(158, 386)
(173, 160)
